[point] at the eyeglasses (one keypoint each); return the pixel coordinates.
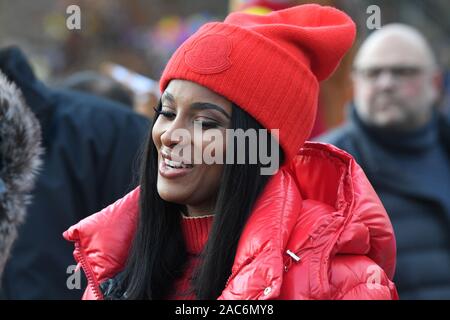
(400, 72)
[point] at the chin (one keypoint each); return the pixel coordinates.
(173, 194)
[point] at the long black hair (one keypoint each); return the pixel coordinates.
(158, 252)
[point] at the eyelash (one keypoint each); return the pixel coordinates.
(209, 125)
(171, 115)
(166, 114)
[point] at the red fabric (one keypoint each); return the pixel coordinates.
(195, 233)
(320, 206)
(269, 65)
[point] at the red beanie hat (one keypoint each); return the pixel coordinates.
(269, 65)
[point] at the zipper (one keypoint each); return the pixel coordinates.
(92, 282)
(291, 258)
(238, 270)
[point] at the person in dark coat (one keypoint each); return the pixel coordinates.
(401, 140)
(20, 150)
(91, 145)
(99, 84)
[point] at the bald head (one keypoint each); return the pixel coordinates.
(395, 44)
(395, 78)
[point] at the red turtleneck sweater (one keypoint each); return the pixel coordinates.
(195, 233)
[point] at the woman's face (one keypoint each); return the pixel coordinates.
(184, 105)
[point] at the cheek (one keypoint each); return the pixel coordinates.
(412, 89)
(213, 145)
(363, 91)
(363, 95)
(216, 149)
(156, 134)
(212, 176)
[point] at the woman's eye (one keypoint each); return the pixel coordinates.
(207, 124)
(165, 114)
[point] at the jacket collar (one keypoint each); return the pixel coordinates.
(263, 240)
(371, 155)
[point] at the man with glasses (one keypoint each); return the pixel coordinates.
(397, 134)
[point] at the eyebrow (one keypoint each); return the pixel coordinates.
(198, 105)
(168, 96)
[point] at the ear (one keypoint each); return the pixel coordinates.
(438, 81)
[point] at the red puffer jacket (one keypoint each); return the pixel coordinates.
(320, 207)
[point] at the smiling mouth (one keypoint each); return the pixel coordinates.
(176, 165)
(170, 168)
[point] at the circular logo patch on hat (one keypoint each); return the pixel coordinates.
(209, 54)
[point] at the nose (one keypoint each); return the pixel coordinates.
(174, 134)
(385, 80)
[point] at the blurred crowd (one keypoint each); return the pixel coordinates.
(72, 126)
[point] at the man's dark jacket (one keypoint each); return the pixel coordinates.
(91, 145)
(421, 218)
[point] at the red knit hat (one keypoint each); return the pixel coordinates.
(269, 65)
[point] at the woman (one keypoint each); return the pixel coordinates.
(315, 229)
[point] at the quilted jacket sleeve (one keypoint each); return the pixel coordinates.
(357, 277)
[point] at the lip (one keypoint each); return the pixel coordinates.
(167, 155)
(171, 173)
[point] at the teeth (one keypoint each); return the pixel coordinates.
(174, 164)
